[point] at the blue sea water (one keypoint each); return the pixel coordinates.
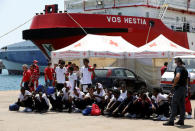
(12, 82)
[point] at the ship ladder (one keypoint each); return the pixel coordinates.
(163, 8)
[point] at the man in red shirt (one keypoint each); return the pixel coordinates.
(36, 67)
(49, 71)
(164, 68)
(34, 78)
(26, 77)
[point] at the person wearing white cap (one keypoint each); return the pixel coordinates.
(99, 95)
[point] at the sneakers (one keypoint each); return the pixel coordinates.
(159, 117)
(181, 123)
(163, 118)
(27, 110)
(189, 117)
(133, 116)
(168, 123)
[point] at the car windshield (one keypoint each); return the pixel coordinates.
(102, 72)
(189, 64)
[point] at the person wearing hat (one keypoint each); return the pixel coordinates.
(99, 95)
(179, 93)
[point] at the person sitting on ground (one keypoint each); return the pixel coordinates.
(109, 96)
(72, 78)
(60, 76)
(25, 100)
(26, 77)
(123, 91)
(66, 100)
(77, 97)
(55, 102)
(41, 102)
(125, 106)
(99, 95)
(162, 104)
(115, 102)
(49, 71)
(143, 106)
(89, 97)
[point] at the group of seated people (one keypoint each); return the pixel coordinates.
(113, 102)
(71, 90)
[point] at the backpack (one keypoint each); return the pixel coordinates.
(14, 107)
(86, 111)
(95, 111)
(50, 90)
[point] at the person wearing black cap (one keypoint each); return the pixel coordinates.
(179, 92)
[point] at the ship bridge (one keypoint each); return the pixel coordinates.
(179, 16)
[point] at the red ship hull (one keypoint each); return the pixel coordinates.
(62, 29)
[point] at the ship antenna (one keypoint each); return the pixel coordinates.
(77, 23)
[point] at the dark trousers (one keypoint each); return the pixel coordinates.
(59, 86)
(67, 103)
(142, 109)
(89, 101)
(163, 109)
(56, 103)
(101, 105)
(80, 104)
(41, 105)
(114, 106)
(26, 86)
(178, 100)
(26, 103)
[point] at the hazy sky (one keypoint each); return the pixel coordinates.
(16, 12)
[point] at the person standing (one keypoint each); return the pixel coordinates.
(164, 68)
(60, 76)
(26, 77)
(72, 78)
(86, 73)
(179, 93)
(49, 71)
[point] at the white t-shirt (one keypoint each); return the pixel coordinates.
(81, 94)
(72, 78)
(24, 97)
(87, 95)
(102, 93)
(161, 97)
(44, 97)
(66, 94)
(85, 76)
(60, 74)
(123, 95)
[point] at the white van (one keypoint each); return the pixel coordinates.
(167, 78)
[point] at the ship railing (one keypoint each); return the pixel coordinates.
(180, 26)
(84, 5)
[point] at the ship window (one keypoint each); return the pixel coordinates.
(120, 13)
(48, 48)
